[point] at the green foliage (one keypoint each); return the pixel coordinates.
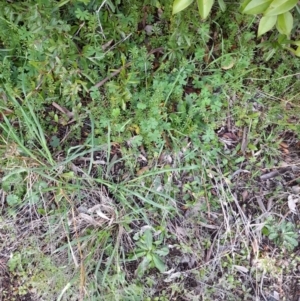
(97, 110)
(274, 12)
(36, 271)
(284, 234)
(180, 5)
(150, 251)
(203, 6)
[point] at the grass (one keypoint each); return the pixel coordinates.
(158, 183)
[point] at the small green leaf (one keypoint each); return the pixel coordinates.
(273, 235)
(265, 231)
(54, 142)
(159, 264)
(62, 3)
(279, 7)
(68, 175)
(222, 5)
(164, 251)
(255, 7)
(148, 239)
(142, 267)
(283, 39)
(115, 112)
(285, 23)
(149, 256)
(266, 24)
(204, 7)
(291, 240)
(139, 254)
(180, 5)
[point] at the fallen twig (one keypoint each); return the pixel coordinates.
(63, 110)
(269, 175)
(244, 140)
(101, 83)
(280, 170)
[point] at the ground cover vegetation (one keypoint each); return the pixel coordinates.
(146, 155)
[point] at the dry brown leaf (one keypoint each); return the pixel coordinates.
(283, 145)
(292, 203)
(208, 226)
(241, 268)
(245, 195)
(106, 45)
(63, 110)
(88, 219)
(229, 66)
(231, 136)
(286, 151)
(244, 143)
(102, 215)
(181, 232)
(173, 276)
(142, 170)
(255, 246)
(261, 204)
(296, 189)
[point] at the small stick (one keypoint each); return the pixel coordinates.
(103, 81)
(269, 175)
(63, 110)
(278, 171)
